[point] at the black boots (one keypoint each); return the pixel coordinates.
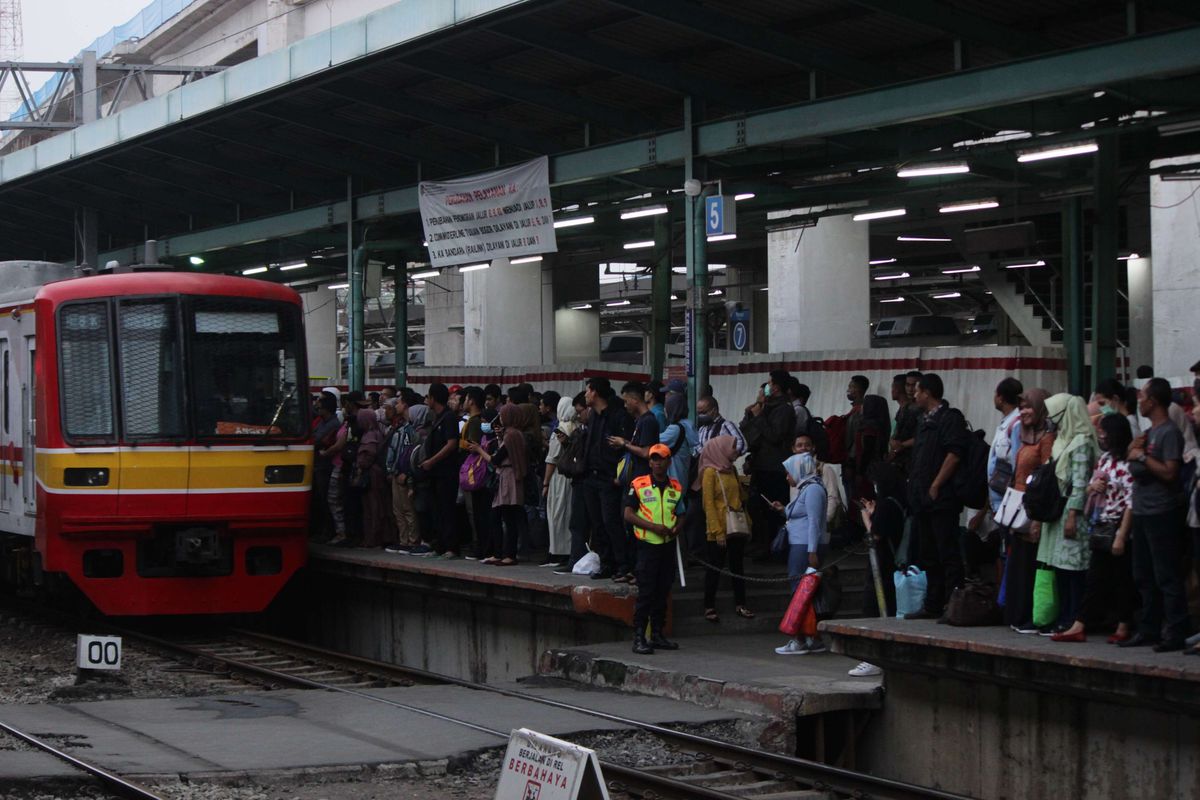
(660, 642)
(640, 645)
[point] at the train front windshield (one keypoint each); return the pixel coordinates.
(169, 368)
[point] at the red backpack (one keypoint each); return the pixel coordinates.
(835, 432)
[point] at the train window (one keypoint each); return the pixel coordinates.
(245, 367)
(151, 373)
(85, 361)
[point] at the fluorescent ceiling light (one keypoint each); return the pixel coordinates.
(973, 205)
(196, 261)
(961, 270)
(922, 239)
(572, 207)
(711, 268)
(1057, 152)
(571, 223)
(933, 169)
(292, 266)
(1179, 128)
(893, 300)
(879, 261)
(887, 212)
(473, 267)
(1038, 263)
(433, 273)
(526, 260)
(583, 307)
(648, 211)
(338, 286)
(714, 293)
(674, 297)
(1129, 257)
(947, 296)
(896, 277)
(724, 237)
(254, 271)
(639, 245)
(615, 303)
(744, 196)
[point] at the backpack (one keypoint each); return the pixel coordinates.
(571, 461)
(1044, 500)
(815, 430)
(970, 479)
(972, 604)
(473, 474)
(835, 439)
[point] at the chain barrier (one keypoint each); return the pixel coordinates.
(850, 552)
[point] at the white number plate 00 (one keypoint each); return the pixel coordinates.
(99, 652)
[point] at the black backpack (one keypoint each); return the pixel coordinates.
(1044, 501)
(970, 479)
(572, 460)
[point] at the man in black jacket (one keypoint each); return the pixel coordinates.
(601, 494)
(940, 444)
(768, 426)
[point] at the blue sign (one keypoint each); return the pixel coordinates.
(689, 337)
(720, 219)
(739, 328)
(741, 337)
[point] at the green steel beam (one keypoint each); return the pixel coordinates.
(648, 70)
(1171, 53)
(1104, 263)
(781, 46)
(1072, 271)
(660, 295)
(963, 24)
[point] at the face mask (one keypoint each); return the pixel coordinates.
(704, 420)
(1107, 409)
(486, 427)
(766, 390)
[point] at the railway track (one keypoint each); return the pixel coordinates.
(110, 781)
(716, 771)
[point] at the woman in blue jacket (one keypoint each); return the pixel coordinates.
(808, 538)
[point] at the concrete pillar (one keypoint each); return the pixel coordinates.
(549, 324)
(282, 28)
(1175, 240)
(502, 315)
(444, 319)
(820, 291)
(577, 335)
(1141, 312)
(320, 335)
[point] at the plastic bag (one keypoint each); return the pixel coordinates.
(587, 565)
(800, 617)
(911, 587)
(1045, 597)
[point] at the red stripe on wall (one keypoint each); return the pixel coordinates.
(1009, 363)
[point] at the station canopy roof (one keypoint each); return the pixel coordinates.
(804, 103)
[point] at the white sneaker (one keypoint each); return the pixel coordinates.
(865, 670)
(792, 648)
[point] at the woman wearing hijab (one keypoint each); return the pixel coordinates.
(680, 436)
(557, 487)
(1037, 443)
(367, 478)
(512, 470)
(720, 492)
(1063, 542)
(808, 538)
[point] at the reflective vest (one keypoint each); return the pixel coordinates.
(655, 505)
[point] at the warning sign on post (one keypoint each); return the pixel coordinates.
(502, 214)
(540, 767)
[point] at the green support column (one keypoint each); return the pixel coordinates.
(1072, 270)
(355, 310)
(660, 293)
(698, 289)
(400, 312)
(1104, 264)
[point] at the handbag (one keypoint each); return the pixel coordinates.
(911, 587)
(779, 545)
(973, 604)
(1101, 536)
(1011, 512)
(1045, 597)
(801, 616)
(1002, 475)
(737, 522)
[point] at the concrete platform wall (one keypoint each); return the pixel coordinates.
(993, 741)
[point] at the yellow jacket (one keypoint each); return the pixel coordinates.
(711, 484)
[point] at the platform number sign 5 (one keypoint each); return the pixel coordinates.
(720, 218)
(98, 652)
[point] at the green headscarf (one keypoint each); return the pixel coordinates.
(1073, 429)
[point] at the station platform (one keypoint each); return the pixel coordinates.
(1030, 717)
(262, 736)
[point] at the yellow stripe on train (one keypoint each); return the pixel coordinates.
(172, 470)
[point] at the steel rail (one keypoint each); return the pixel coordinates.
(111, 781)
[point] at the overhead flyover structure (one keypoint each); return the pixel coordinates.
(313, 151)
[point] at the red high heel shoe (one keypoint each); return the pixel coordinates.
(1069, 637)
(1117, 638)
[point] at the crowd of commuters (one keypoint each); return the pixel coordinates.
(617, 477)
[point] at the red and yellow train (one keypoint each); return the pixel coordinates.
(154, 437)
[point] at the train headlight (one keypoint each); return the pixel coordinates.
(85, 476)
(284, 473)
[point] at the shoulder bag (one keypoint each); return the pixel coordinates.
(737, 523)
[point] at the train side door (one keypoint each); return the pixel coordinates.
(7, 486)
(29, 437)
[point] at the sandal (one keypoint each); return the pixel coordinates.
(744, 612)
(710, 614)
(490, 560)
(506, 562)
